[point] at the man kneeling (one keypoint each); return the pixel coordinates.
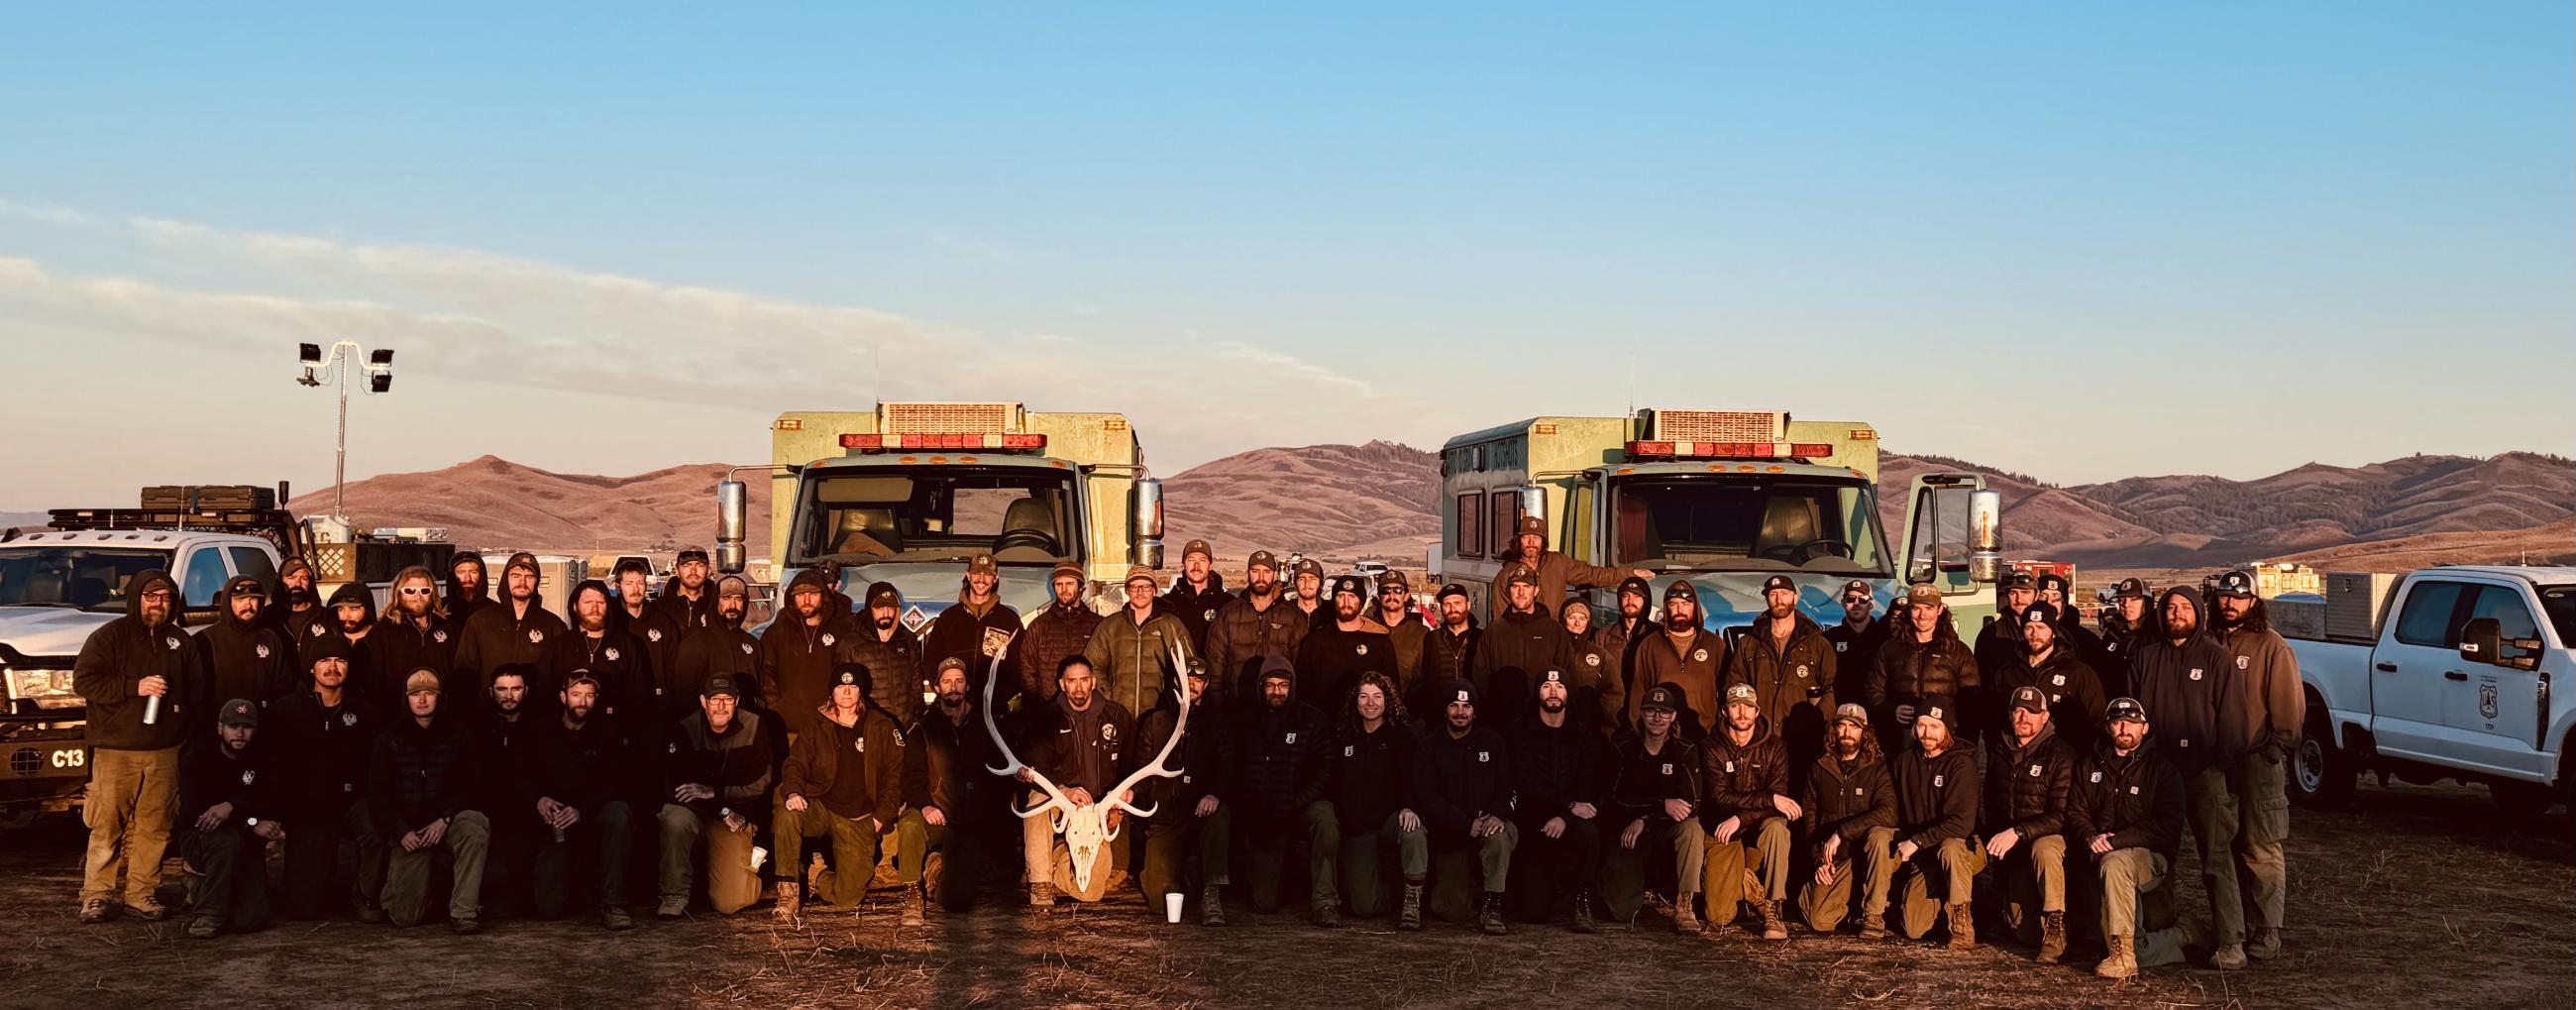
(718, 772)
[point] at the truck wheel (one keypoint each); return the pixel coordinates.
(2522, 801)
(2322, 776)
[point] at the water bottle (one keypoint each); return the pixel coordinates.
(152, 710)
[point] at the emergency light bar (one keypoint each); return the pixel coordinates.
(951, 440)
(1729, 450)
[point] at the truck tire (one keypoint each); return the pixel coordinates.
(2321, 774)
(2522, 801)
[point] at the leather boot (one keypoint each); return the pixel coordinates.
(785, 910)
(1685, 921)
(1328, 915)
(1212, 907)
(912, 906)
(2122, 962)
(1490, 917)
(1583, 913)
(1772, 927)
(1409, 917)
(2052, 937)
(1042, 895)
(1963, 926)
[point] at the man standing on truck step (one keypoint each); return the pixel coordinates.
(968, 630)
(1403, 628)
(2125, 625)
(299, 606)
(2182, 675)
(634, 615)
(1196, 595)
(1687, 656)
(465, 591)
(225, 795)
(2000, 640)
(1331, 659)
(1635, 623)
(879, 640)
(2048, 663)
(1062, 629)
(798, 653)
(1922, 656)
(1554, 571)
(1252, 627)
(2263, 713)
(2028, 773)
(2126, 814)
(242, 656)
(321, 736)
(421, 798)
(1524, 640)
(1855, 639)
(1785, 658)
(1132, 649)
(515, 630)
(138, 675)
(411, 636)
(686, 596)
(725, 651)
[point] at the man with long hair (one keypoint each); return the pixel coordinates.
(2262, 714)
(1368, 792)
(414, 634)
(1854, 807)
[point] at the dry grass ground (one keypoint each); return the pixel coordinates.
(2419, 897)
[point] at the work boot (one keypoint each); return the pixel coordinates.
(785, 910)
(1328, 915)
(2052, 937)
(1409, 917)
(1963, 926)
(671, 908)
(911, 907)
(1772, 927)
(814, 873)
(1212, 906)
(147, 910)
(1583, 913)
(2122, 962)
(202, 928)
(615, 918)
(1489, 917)
(2228, 957)
(1873, 926)
(2264, 945)
(1685, 921)
(1041, 895)
(93, 912)
(369, 912)
(934, 874)
(466, 926)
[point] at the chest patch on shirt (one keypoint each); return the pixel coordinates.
(1842, 646)
(1350, 750)
(261, 649)
(2034, 771)
(1802, 671)
(2097, 777)
(828, 639)
(1936, 781)
(1362, 650)
(1484, 757)
(1109, 732)
(1668, 767)
(653, 634)
(1292, 738)
(1699, 655)
(746, 648)
(1730, 767)
(1591, 659)
(318, 630)
(1209, 616)
(610, 653)
(439, 637)
(348, 718)
(2133, 790)
(2242, 660)
(535, 636)
(2059, 680)
(2195, 673)
(248, 775)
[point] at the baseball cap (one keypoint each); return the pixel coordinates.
(1662, 696)
(1532, 526)
(246, 585)
(1851, 713)
(688, 554)
(1778, 582)
(1392, 579)
(2016, 580)
(1452, 589)
(947, 663)
(238, 712)
(1743, 693)
(1262, 559)
(981, 563)
(421, 680)
(2124, 710)
(1309, 566)
(1138, 573)
(721, 683)
(1922, 593)
(2029, 699)
(1197, 547)
(579, 677)
(1519, 575)
(1856, 587)
(2131, 587)
(732, 585)
(2236, 583)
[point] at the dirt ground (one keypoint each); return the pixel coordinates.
(2420, 896)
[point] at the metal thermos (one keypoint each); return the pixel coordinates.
(152, 710)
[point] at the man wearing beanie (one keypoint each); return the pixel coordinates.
(2058, 671)
(1462, 787)
(1936, 820)
(843, 782)
(1334, 655)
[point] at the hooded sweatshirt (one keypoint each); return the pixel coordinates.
(1278, 760)
(460, 604)
(1331, 660)
(2266, 707)
(242, 659)
(1515, 651)
(400, 645)
(500, 633)
(1692, 663)
(725, 649)
(364, 671)
(281, 614)
(796, 658)
(2181, 687)
(120, 654)
(618, 661)
(1458, 779)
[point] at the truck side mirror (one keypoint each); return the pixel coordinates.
(2482, 641)
(733, 506)
(1147, 520)
(1985, 535)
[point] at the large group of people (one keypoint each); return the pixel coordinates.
(1551, 762)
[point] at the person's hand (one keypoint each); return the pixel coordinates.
(1678, 810)
(2002, 842)
(1207, 806)
(2102, 844)
(1727, 828)
(1407, 820)
(1830, 851)
(1905, 713)
(1029, 775)
(1080, 796)
(1583, 810)
(433, 833)
(270, 830)
(214, 816)
(691, 792)
(1488, 826)
(934, 817)
(1554, 828)
(1636, 829)
(1787, 807)
(1643, 573)
(795, 802)
(1907, 849)
(1824, 873)
(567, 815)
(151, 687)
(411, 842)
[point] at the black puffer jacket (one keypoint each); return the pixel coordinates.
(419, 774)
(1740, 781)
(1278, 761)
(2026, 785)
(1243, 634)
(1908, 670)
(1445, 658)
(120, 654)
(2137, 799)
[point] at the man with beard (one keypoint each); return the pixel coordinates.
(952, 810)
(1462, 786)
(411, 636)
(2184, 676)
(301, 610)
(613, 658)
(2125, 626)
(506, 757)
(1746, 809)
(686, 601)
(879, 641)
(584, 786)
(1523, 640)
(1062, 629)
(1592, 670)
(139, 679)
(1553, 570)
(1997, 641)
(1853, 809)
(1654, 791)
(465, 592)
(224, 794)
(725, 651)
(420, 799)
(2261, 716)
(1082, 742)
(2058, 593)
(798, 653)
(353, 620)
(242, 657)
(1275, 772)
(1785, 658)
(1191, 818)
(516, 629)
(1133, 650)
(843, 782)
(1922, 657)
(652, 629)
(2127, 814)
(718, 775)
(1936, 818)
(1197, 595)
(1331, 659)
(1250, 627)
(966, 631)
(1559, 768)
(1687, 656)
(2049, 664)
(1404, 628)
(1309, 583)
(1855, 640)
(2028, 773)
(322, 735)
(1368, 786)
(1448, 652)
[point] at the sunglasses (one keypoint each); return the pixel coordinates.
(415, 591)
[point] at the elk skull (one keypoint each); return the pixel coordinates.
(1085, 827)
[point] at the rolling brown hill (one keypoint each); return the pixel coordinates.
(1317, 499)
(491, 503)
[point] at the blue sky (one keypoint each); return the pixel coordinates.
(2084, 242)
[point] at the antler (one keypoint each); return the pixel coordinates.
(1057, 802)
(1157, 768)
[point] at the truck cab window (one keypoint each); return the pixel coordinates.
(253, 562)
(2560, 603)
(2432, 615)
(76, 577)
(1780, 525)
(2513, 619)
(943, 514)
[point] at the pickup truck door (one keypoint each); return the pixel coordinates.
(2416, 660)
(2493, 714)
(1937, 537)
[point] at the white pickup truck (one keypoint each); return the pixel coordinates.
(2460, 681)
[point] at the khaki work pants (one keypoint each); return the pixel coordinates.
(469, 837)
(1872, 865)
(2128, 875)
(1954, 864)
(128, 810)
(1623, 872)
(732, 885)
(1766, 853)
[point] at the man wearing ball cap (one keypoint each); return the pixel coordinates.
(1790, 666)
(1688, 656)
(966, 630)
(225, 797)
(1922, 656)
(1553, 570)
(1462, 787)
(420, 798)
(716, 780)
(843, 781)
(2126, 815)
(1998, 640)
(1198, 594)
(2125, 625)
(1936, 817)
(1654, 790)
(1252, 626)
(1746, 809)
(2028, 772)
(1852, 805)
(2261, 715)
(1335, 654)
(1855, 640)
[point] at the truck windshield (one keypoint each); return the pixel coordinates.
(942, 513)
(83, 578)
(2560, 602)
(1687, 522)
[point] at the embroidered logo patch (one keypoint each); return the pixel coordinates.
(1699, 655)
(653, 634)
(1668, 767)
(828, 639)
(535, 636)
(1842, 646)
(318, 630)
(261, 649)
(439, 637)
(348, 718)
(1936, 781)
(1109, 732)
(2195, 673)
(1292, 738)
(1484, 757)
(2241, 661)
(2097, 777)
(610, 653)
(1361, 650)
(1349, 750)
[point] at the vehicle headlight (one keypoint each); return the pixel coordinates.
(47, 688)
